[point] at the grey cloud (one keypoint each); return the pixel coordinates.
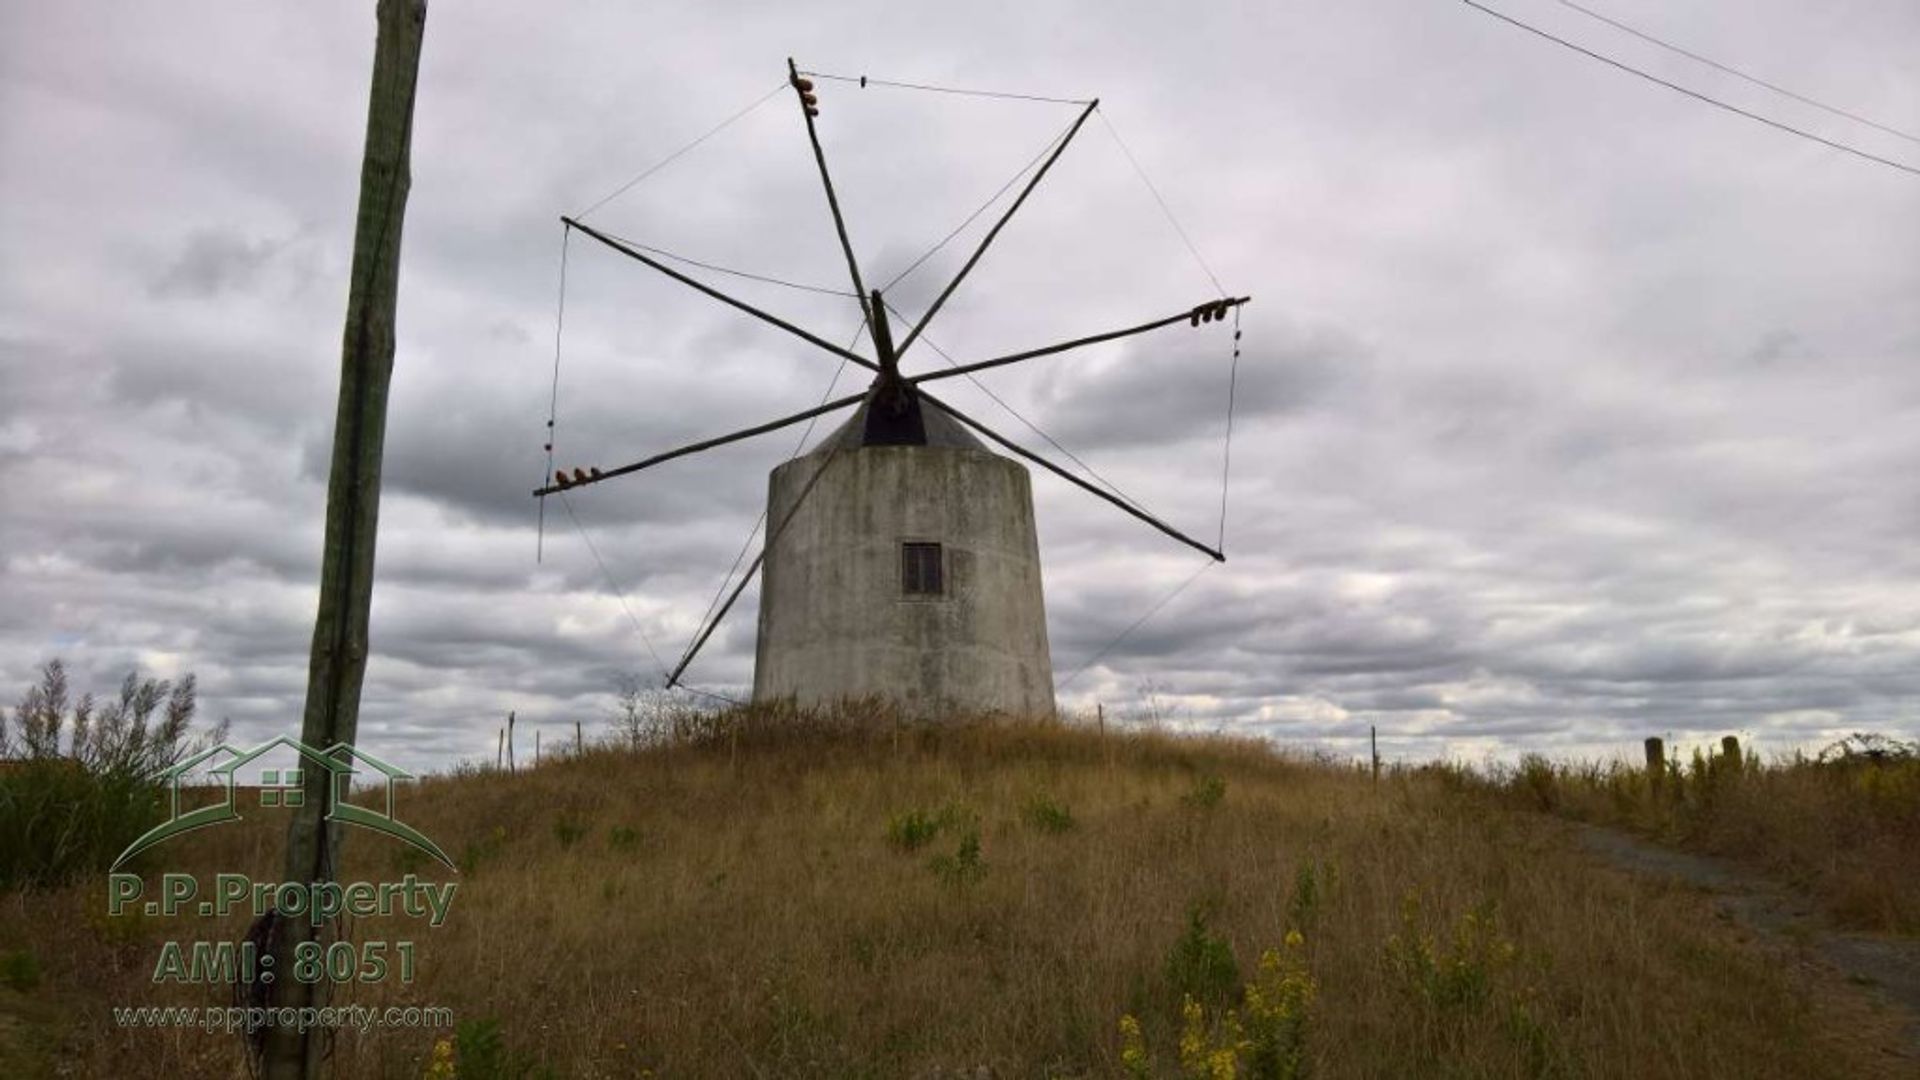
(214, 261)
(1568, 411)
(1176, 389)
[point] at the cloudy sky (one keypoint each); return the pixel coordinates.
(1571, 410)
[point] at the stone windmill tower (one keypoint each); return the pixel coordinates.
(910, 569)
(901, 558)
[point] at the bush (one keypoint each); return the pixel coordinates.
(1047, 816)
(912, 830)
(83, 780)
(1200, 965)
(1459, 975)
(965, 866)
(483, 850)
(482, 1054)
(1264, 1039)
(567, 831)
(19, 970)
(1206, 794)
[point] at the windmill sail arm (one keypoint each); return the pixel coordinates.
(705, 444)
(693, 650)
(986, 241)
(802, 89)
(774, 320)
(1191, 315)
(773, 535)
(1065, 475)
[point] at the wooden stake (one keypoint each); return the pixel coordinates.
(1373, 740)
(510, 767)
(536, 748)
(1656, 765)
(578, 744)
(500, 750)
(337, 667)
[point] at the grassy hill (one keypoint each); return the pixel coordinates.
(845, 896)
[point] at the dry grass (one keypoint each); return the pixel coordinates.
(1845, 829)
(790, 899)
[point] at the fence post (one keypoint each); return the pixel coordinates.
(578, 745)
(500, 751)
(510, 767)
(1656, 765)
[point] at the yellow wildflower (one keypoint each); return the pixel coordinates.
(1133, 1048)
(440, 1066)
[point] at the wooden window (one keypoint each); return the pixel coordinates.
(921, 570)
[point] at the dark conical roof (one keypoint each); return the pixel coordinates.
(919, 423)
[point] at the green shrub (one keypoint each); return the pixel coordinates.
(1459, 974)
(1200, 965)
(483, 850)
(567, 832)
(19, 970)
(912, 830)
(1306, 895)
(482, 1053)
(1046, 815)
(1206, 794)
(85, 777)
(409, 860)
(965, 866)
(622, 838)
(1539, 779)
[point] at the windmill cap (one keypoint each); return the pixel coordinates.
(935, 428)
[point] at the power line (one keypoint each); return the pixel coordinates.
(1695, 94)
(675, 156)
(864, 82)
(1735, 72)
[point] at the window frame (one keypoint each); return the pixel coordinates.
(914, 573)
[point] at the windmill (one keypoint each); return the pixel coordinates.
(901, 558)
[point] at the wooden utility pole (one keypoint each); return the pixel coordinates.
(339, 659)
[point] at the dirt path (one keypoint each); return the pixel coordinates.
(1885, 969)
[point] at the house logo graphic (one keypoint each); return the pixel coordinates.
(283, 788)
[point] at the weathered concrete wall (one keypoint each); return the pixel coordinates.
(834, 622)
